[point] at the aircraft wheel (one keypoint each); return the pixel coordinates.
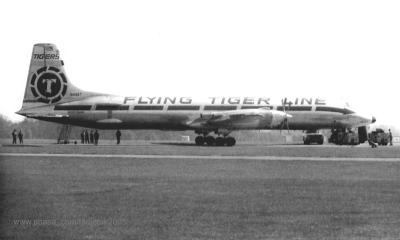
(230, 141)
(219, 141)
(199, 140)
(210, 140)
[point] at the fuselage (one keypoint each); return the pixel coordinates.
(174, 113)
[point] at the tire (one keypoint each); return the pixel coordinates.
(199, 140)
(220, 141)
(230, 141)
(210, 140)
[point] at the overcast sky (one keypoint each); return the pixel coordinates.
(328, 49)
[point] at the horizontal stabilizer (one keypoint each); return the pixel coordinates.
(47, 116)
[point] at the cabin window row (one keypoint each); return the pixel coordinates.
(108, 107)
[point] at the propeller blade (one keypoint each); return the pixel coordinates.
(287, 125)
(284, 104)
(285, 120)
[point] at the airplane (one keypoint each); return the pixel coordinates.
(50, 96)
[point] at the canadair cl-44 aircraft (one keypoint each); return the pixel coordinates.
(50, 96)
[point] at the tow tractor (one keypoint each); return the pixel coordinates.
(313, 137)
(380, 137)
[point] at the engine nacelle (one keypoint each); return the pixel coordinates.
(260, 118)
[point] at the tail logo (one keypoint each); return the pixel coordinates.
(48, 84)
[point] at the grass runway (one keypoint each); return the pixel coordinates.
(122, 198)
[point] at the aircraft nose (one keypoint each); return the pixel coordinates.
(373, 119)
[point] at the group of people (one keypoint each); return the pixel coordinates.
(92, 137)
(87, 137)
(20, 136)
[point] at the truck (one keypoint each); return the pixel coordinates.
(380, 137)
(310, 138)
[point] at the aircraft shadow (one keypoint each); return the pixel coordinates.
(175, 143)
(243, 144)
(20, 145)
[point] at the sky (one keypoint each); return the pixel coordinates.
(347, 50)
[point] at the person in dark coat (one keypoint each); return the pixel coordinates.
(118, 135)
(86, 136)
(96, 137)
(83, 136)
(91, 136)
(390, 138)
(21, 137)
(371, 142)
(14, 136)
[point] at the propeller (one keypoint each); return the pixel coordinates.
(285, 120)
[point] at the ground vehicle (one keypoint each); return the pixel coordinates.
(343, 137)
(313, 138)
(380, 137)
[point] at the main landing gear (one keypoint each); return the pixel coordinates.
(211, 141)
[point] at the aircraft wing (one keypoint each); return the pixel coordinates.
(240, 119)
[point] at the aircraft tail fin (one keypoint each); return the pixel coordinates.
(47, 82)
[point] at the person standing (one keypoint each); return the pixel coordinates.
(21, 137)
(390, 138)
(14, 136)
(83, 136)
(96, 137)
(118, 135)
(91, 137)
(371, 142)
(86, 136)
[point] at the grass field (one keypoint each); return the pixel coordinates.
(122, 198)
(185, 148)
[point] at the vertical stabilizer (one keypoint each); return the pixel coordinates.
(47, 82)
